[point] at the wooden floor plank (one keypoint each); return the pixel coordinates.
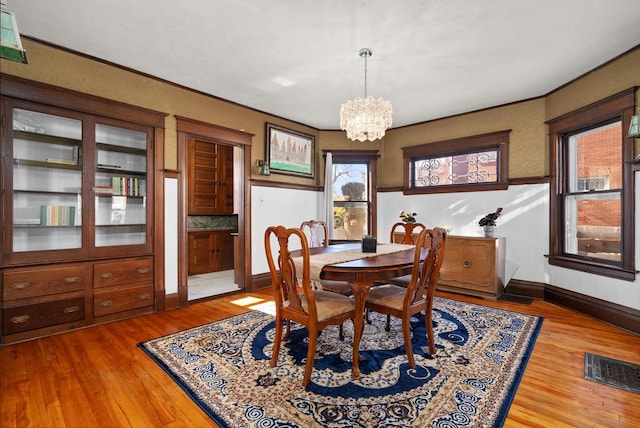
(97, 377)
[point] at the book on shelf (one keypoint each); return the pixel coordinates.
(103, 190)
(61, 161)
(57, 215)
(125, 186)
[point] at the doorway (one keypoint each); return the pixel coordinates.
(213, 227)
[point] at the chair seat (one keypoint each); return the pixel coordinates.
(340, 287)
(402, 281)
(389, 295)
(329, 304)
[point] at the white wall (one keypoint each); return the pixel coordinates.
(272, 206)
(171, 235)
(524, 223)
(524, 220)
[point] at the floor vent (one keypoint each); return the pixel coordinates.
(616, 373)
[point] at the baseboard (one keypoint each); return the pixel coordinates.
(522, 288)
(260, 280)
(171, 301)
(611, 313)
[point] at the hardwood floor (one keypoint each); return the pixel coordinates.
(97, 377)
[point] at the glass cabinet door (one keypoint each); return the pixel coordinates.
(47, 182)
(120, 186)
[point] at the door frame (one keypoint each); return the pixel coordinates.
(187, 129)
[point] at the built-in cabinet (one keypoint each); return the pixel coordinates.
(77, 210)
(210, 251)
(210, 178)
(474, 265)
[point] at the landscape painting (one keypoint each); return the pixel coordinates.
(290, 152)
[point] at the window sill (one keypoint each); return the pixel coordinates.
(456, 188)
(593, 267)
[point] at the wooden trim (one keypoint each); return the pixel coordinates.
(611, 313)
(529, 180)
(216, 132)
(285, 185)
(43, 93)
(261, 280)
(390, 189)
(594, 112)
(158, 220)
(522, 288)
(512, 182)
(172, 301)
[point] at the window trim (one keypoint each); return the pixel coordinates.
(619, 106)
(362, 156)
(498, 141)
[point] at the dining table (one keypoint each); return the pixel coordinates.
(347, 262)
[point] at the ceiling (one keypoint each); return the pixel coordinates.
(298, 59)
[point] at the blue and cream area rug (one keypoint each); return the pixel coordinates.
(481, 356)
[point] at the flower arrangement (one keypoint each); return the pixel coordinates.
(490, 219)
(408, 217)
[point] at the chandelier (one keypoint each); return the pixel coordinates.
(365, 118)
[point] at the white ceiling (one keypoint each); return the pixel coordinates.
(298, 59)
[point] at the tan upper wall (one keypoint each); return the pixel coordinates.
(67, 70)
(527, 143)
(528, 152)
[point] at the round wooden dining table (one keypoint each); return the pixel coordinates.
(360, 274)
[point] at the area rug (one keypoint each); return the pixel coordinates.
(481, 355)
(612, 372)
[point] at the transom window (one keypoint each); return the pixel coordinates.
(468, 164)
(478, 167)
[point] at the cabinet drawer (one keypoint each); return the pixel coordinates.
(118, 299)
(122, 272)
(38, 315)
(20, 284)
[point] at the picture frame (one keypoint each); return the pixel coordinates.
(290, 152)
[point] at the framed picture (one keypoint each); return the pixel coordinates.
(290, 152)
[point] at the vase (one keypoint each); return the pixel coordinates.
(488, 231)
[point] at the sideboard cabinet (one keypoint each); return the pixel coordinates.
(77, 210)
(474, 265)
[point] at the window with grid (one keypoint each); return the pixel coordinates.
(466, 164)
(591, 223)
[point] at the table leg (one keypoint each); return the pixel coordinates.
(360, 290)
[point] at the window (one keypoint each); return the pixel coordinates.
(465, 164)
(353, 194)
(592, 189)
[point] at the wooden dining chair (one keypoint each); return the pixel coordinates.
(294, 297)
(311, 229)
(318, 234)
(403, 302)
(408, 228)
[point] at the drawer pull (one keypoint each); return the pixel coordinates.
(466, 263)
(106, 275)
(106, 303)
(20, 319)
(71, 279)
(144, 296)
(143, 270)
(20, 285)
(71, 309)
